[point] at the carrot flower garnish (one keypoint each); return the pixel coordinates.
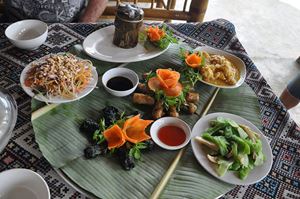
(114, 137)
(193, 60)
(134, 129)
(166, 80)
(155, 33)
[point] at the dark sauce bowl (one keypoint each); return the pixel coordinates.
(123, 73)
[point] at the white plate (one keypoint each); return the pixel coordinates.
(57, 99)
(8, 117)
(257, 174)
(233, 59)
(99, 45)
(23, 183)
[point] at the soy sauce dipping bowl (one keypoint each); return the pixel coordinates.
(120, 72)
(170, 121)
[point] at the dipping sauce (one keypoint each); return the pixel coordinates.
(171, 135)
(119, 83)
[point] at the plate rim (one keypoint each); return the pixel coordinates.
(214, 174)
(29, 92)
(84, 45)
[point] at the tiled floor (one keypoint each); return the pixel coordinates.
(270, 32)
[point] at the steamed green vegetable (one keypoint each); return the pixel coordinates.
(238, 147)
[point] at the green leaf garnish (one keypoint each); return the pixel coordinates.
(135, 151)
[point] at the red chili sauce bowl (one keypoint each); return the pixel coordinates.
(170, 133)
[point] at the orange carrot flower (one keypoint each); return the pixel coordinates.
(166, 80)
(134, 129)
(193, 60)
(114, 137)
(155, 34)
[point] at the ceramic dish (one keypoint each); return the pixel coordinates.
(120, 72)
(8, 117)
(99, 45)
(257, 174)
(57, 99)
(27, 34)
(170, 121)
(233, 59)
(23, 183)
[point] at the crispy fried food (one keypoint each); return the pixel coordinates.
(192, 97)
(173, 112)
(142, 88)
(219, 70)
(140, 98)
(192, 108)
(158, 110)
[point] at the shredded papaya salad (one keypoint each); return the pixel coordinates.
(59, 75)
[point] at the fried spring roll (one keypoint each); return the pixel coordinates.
(173, 112)
(158, 110)
(192, 97)
(143, 88)
(192, 108)
(139, 98)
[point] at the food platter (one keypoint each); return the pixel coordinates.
(68, 158)
(200, 151)
(89, 107)
(56, 99)
(99, 45)
(104, 136)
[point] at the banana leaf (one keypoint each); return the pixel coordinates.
(57, 133)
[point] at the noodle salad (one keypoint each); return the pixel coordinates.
(62, 75)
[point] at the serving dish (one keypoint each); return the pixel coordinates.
(23, 183)
(27, 34)
(65, 151)
(8, 117)
(200, 151)
(56, 99)
(233, 59)
(99, 45)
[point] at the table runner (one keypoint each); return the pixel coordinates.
(22, 150)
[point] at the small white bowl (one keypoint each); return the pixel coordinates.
(23, 183)
(120, 72)
(169, 121)
(27, 34)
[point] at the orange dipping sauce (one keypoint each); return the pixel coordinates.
(171, 135)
